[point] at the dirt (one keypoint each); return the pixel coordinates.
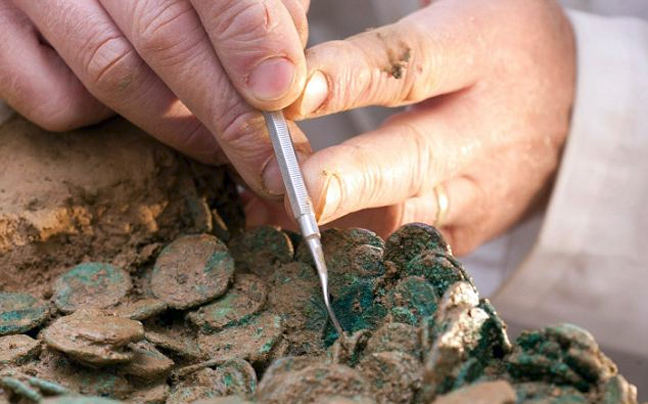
(104, 194)
(186, 306)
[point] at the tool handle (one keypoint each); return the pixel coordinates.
(300, 202)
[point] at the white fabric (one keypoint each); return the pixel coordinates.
(590, 263)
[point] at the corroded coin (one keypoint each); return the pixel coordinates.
(539, 392)
(91, 285)
(459, 333)
(224, 400)
(261, 250)
(62, 370)
(141, 309)
(148, 363)
(280, 369)
(173, 339)
(349, 350)
(80, 400)
(239, 377)
(394, 376)
(412, 299)
(295, 294)
(17, 349)
(314, 383)
(92, 338)
(356, 308)
(617, 390)
(411, 240)
(252, 340)
(191, 271)
(156, 393)
(20, 312)
(561, 354)
(498, 392)
(395, 337)
(203, 384)
(349, 253)
(246, 297)
(437, 269)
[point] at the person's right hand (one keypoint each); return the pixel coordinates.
(188, 72)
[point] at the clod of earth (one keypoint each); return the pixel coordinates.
(214, 325)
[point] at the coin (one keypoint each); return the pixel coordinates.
(412, 239)
(438, 270)
(92, 338)
(20, 312)
(261, 250)
(90, 285)
(246, 297)
(412, 299)
(191, 271)
(395, 337)
(17, 349)
(141, 309)
(394, 376)
(148, 363)
(252, 340)
(313, 383)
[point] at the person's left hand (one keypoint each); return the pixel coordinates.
(493, 83)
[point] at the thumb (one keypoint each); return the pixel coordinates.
(260, 47)
(431, 52)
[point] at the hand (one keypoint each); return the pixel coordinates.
(183, 70)
(491, 83)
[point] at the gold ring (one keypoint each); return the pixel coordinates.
(442, 204)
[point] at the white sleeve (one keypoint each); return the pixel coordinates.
(589, 265)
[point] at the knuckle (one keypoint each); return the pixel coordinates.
(243, 21)
(163, 34)
(243, 135)
(55, 116)
(111, 64)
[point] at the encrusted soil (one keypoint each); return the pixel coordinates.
(107, 194)
(127, 276)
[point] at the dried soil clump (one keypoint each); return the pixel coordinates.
(107, 194)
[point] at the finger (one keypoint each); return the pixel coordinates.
(105, 62)
(405, 158)
(259, 47)
(36, 82)
(430, 52)
(298, 10)
(169, 36)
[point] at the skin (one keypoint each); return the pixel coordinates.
(184, 71)
(489, 85)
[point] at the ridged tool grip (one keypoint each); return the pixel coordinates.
(300, 202)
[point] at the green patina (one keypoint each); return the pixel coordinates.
(20, 312)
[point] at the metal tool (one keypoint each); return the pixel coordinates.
(300, 202)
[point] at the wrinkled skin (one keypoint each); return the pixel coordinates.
(182, 70)
(490, 86)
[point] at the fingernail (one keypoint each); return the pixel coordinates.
(315, 94)
(271, 79)
(332, 199)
